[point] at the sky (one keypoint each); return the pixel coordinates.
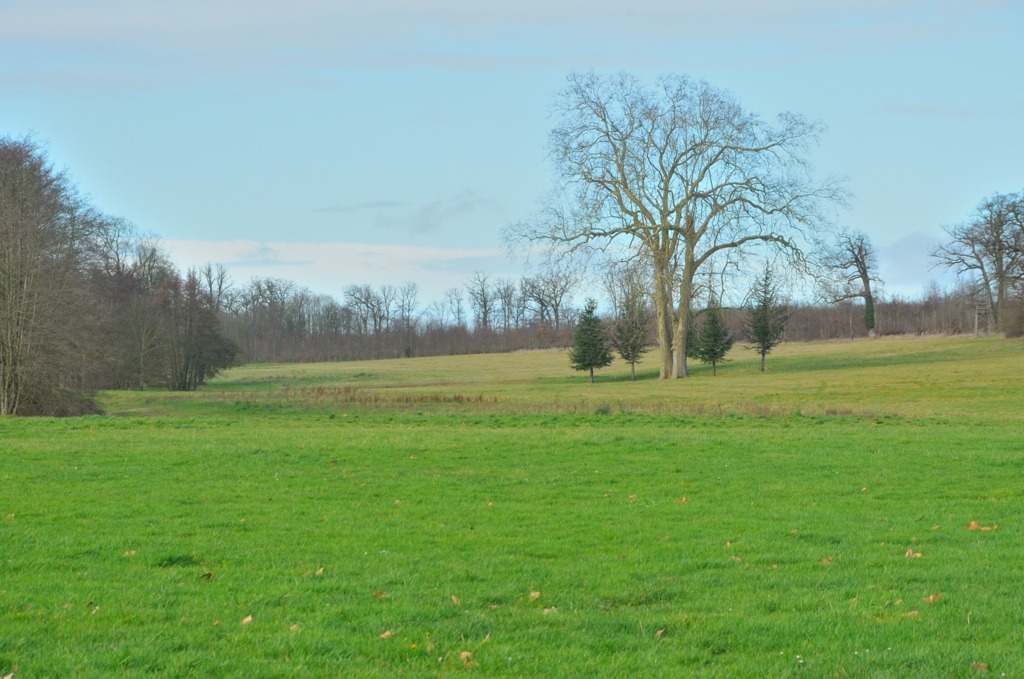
(333, 142)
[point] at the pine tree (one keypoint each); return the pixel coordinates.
(631, 334)
(590, 342)
(767, 315)
(714, 339)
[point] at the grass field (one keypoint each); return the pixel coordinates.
(855, 511)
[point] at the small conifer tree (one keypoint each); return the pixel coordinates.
(590, 342)
(766, 316)
(714, 339)
(631, 334)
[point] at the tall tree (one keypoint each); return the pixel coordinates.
(590, 342)
(714, 340)
(850, 265)
(991, 247)
(767, 315)
(681, 171)
(44, 236)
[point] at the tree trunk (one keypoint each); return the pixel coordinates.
(682, 313)
(663, 309)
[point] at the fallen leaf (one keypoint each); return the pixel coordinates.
(14, 670)
(659, 633)
(682, 500)
(549, 611)
(913, 614)
(826, 561)
(130, 552)
(633, 497)
(381, 595)
(933, 598)
(467, 658)
(294, 628)
(911, 554)
(979, 666)
(456, 600)
(246, 620)
(387, 634)
(319, 571)
(216, 623)
(68, 605)
(398, 502)
(974, 525)
(534, 596)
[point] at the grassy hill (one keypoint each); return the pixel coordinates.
(854, 511)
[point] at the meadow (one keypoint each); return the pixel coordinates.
(854, 511)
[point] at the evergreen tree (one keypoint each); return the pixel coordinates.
(631, 334)
(767, 315)
(714, 339)
(590, 342)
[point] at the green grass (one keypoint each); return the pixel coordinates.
(502, 507)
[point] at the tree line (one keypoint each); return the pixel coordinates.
(87, 304)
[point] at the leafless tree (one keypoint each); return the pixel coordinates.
(549, 294)
(850, 269)
(483, 300)
(455, 306)
(681, 172)
(45, 234)
(989, 247)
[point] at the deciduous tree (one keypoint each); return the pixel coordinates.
(45, 235)
(681, 171)
(850, 266)
(990, 247)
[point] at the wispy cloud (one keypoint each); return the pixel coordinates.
(434, 215)
(363, 207)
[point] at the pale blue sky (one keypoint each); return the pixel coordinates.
(334, 142)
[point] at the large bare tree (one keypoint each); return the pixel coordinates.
(850, 267)
(682, 172)
(989, 247)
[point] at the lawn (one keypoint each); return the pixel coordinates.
(854, 511)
